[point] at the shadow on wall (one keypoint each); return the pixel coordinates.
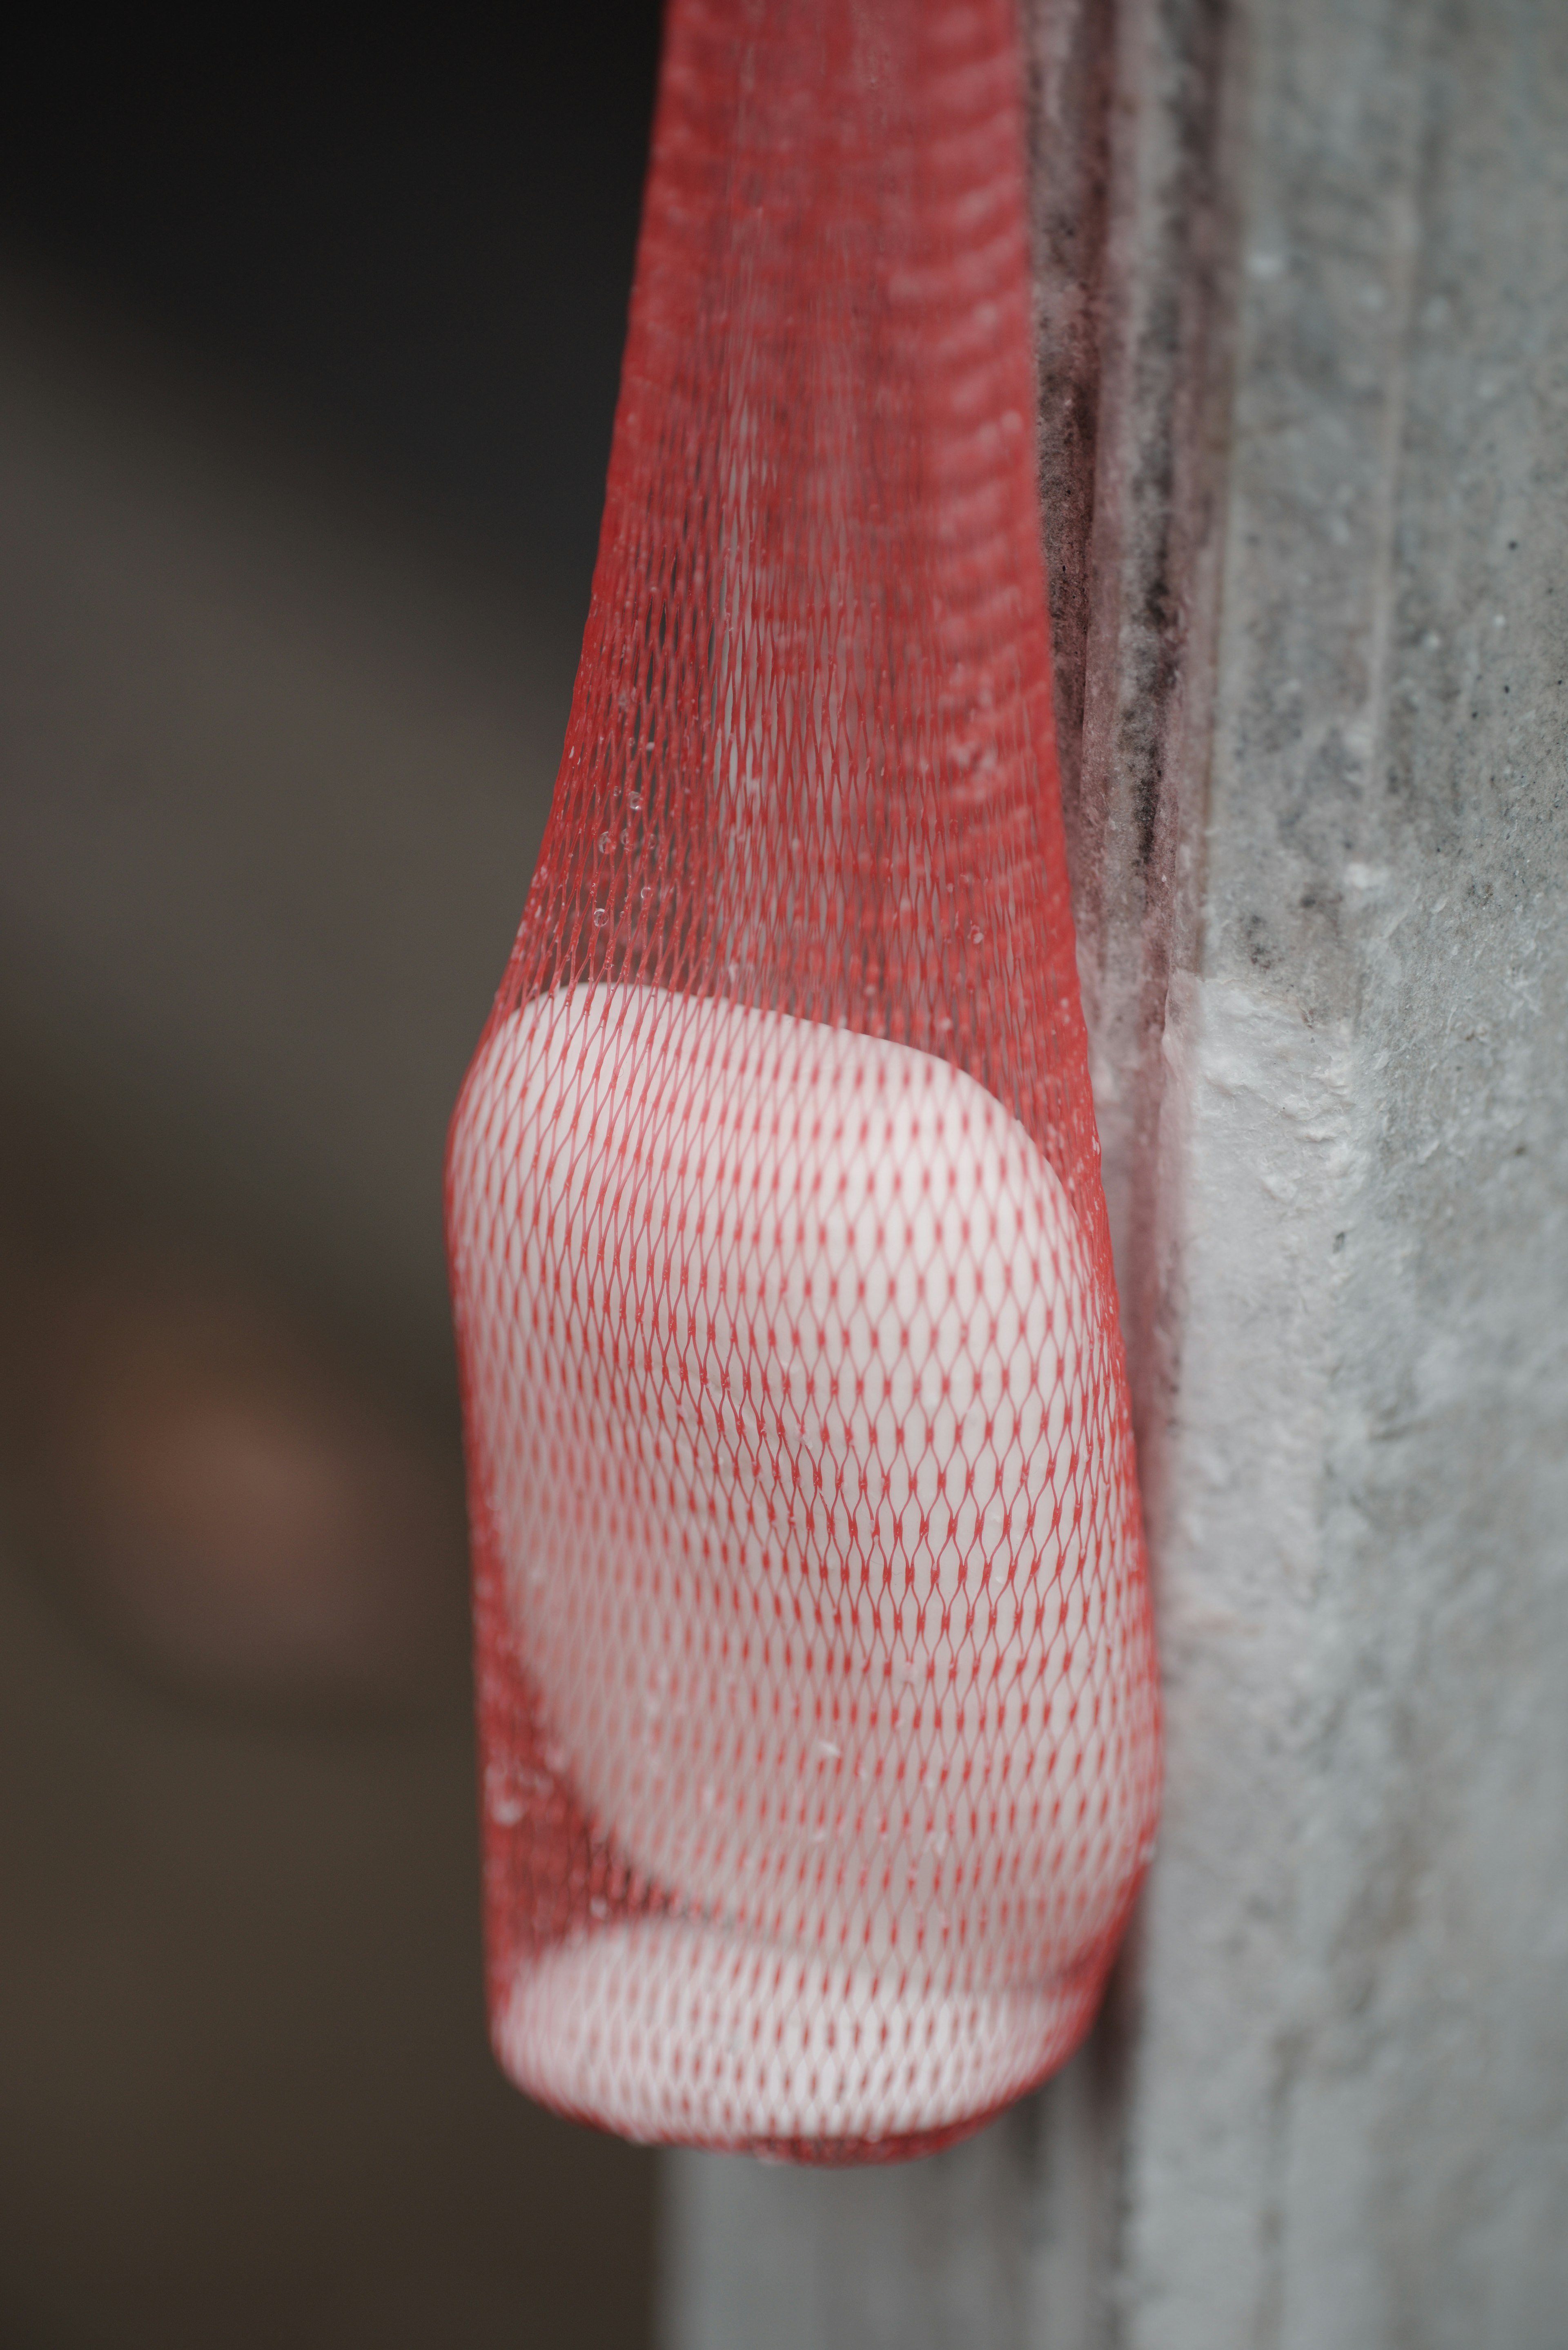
(278, 742)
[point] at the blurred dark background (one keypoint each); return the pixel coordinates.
(308, 353)
(419, 242)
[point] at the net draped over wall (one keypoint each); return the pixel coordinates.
(816, 1682)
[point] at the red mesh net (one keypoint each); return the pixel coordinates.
(816, 1681)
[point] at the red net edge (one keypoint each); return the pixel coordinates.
(586, 1882)
(600, 1887)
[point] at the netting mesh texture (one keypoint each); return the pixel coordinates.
(818, 1708)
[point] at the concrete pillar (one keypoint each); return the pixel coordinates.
(1320, 808)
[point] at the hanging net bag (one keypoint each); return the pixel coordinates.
(816, 1681)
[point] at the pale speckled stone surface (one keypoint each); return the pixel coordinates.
(1330, 2106)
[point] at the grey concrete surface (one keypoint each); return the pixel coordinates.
(1348, 2119)
(1328, 2109)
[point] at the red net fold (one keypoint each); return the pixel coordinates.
(817, 1694)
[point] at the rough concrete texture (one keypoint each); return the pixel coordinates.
(1348, 2117)
(1329, 2106)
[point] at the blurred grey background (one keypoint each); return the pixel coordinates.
(307, 368)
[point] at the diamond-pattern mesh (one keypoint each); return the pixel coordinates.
(818, 1692)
